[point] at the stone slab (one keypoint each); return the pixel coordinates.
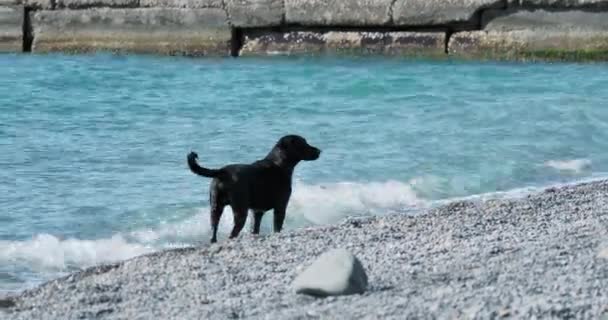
(38, 4)
(255, 13)
(155, 30)
(86, 4)
(11, 28)
(530, 45)
(559, 3)
(193, 4)
(429, 44)
(510, 20)
(338, 12)
(440, 12)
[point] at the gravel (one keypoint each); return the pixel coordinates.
(543, 255)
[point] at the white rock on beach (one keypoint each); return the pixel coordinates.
(336, 272)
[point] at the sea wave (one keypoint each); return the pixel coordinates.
(48, 255)
(310, 205)
(576, 166)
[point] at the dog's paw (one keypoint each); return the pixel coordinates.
(192, 155)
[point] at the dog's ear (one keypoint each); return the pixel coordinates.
(286, 142)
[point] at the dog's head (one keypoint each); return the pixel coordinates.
(296, 148)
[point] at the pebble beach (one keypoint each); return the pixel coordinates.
(544, 255)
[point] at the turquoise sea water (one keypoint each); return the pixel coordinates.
(92, 148)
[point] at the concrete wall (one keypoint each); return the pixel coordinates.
(495, 29)
(11, 28)
(150, 30)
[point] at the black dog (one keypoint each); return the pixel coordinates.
(260, 186)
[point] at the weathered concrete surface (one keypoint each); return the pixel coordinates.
(530, 45)
(11, 28)
(429, 44)
(508, 20)
(427, 12)
(37, 4)
(559, 3)
(202, 27)
(338, 12)
(255, 13)
(193, 4)
(536, 34)
(156, 30)
(85, 4)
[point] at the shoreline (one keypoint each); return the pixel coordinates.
(529, 30)
(539, 255)
(509, 194)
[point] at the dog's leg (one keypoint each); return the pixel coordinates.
(217, 204)
(279, 217)
(216, 214)
(257, 215)
(240, 218)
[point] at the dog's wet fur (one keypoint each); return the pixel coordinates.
(260, 186)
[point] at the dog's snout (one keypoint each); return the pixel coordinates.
(316, 153)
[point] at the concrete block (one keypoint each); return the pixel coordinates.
(255, 13)
(155, 30)
(11, 28)
(429, 44)
(574, 20)
(338, 12)
(530, 45)
(440, 12)
(192, 4)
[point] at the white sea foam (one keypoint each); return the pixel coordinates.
(329, 203)
(573, 166)
(310, 204)
(47, 252)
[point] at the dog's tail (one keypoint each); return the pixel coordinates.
(195, 168)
